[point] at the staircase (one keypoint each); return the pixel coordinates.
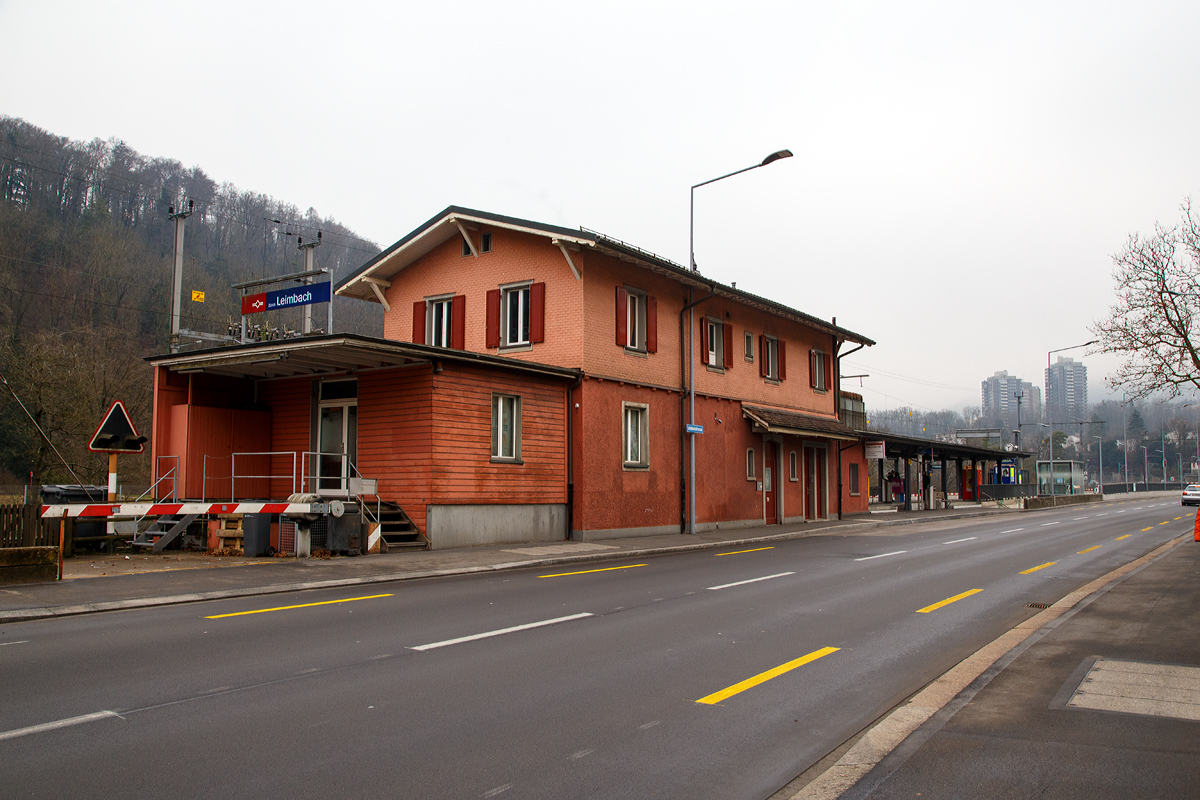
(397, 530)
(167, 528)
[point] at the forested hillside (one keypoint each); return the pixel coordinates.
(86, 254)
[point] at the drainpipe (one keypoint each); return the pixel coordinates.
(690, 490)
(837, 382)
(571, 455)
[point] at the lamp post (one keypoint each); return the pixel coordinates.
(1100, 483)
(1050, 412)
(690, 308)
(1146, 469)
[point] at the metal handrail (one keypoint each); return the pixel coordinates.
(233, 477)
(305, 465)
(172, 473)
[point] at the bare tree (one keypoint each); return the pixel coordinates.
(1158, 298)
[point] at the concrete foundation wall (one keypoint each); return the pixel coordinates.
(475, 525)
(28, 565)
(621, 533)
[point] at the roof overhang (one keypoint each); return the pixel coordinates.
(794, 423)
(908, 446)
(312, 356)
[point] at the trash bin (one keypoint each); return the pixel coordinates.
(256, 534)
(85, 533)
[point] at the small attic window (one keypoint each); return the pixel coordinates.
(466, 247)
(485, 243)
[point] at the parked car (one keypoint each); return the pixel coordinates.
(1191, 495)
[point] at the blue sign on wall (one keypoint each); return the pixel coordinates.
(693, 428)
(298, 296)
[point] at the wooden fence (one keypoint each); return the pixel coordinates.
(21, 526)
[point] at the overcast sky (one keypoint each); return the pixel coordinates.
(963, 172)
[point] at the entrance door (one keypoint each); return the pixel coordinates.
(338, 440)
(769, 483)
(814, 483)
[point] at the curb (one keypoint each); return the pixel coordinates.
(954, 689)
(51, 612)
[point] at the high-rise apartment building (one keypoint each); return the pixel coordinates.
(1066, 390)
(999, 398)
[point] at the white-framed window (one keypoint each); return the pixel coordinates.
(715, 357)
(749, 346)
(438, 322)
(635, 320)
(635, 435)
(792, 475)
(770, 365)
(853, 479)
(514, 315)
(750, 473)
(506, 427)
(817, 368)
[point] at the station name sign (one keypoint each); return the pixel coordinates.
(286, 298)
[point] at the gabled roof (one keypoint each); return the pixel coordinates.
(445, 225)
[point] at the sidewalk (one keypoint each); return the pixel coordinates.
(1100, 700)
(113, 582)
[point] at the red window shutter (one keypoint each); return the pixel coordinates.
(458, 322)
(418, 336)
(537, 312)
(493, 318)
(703, 340)
(651, 325)
(762, 355)
(622, 317)
(728, 330)
(782, 345)
(812, 368)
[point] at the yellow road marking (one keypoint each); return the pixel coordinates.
(763, 677)
(1177, 519)
(755, 550)
(586, 571)
(1143, 530)
(302, 605)
(1165, 522)
(1090, 549)
(1043, 566)
(947, 601)
(1119, 538)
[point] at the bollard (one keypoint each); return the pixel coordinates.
(1196, 529)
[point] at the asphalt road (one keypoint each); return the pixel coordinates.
(715, 674)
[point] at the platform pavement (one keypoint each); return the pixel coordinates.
(114, 582)
(1010, 724)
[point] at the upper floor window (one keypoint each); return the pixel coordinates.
(637, 320)
(818, 367)
(749, 346)
(440, 321)
(772, 358)
(516, 315)
(485, 242)
(716, 343)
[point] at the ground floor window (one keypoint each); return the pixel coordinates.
(635, 435)
(750, 464)
(506, 427)
(792, 476)
(854, 479)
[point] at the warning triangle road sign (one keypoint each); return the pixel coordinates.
(116, 433)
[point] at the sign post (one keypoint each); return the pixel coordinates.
(115, 435)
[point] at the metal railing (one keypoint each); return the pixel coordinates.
(172, 473)
(233, 477)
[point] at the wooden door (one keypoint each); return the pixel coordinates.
(769, 459)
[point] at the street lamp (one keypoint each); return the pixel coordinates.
(690, 308)
(1146, 469)
(1050, 412)
(1100, 484)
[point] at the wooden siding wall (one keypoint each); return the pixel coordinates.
(394, 436)
(290, 417)
(463, 471)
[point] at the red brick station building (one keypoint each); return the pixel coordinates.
(532, 384)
